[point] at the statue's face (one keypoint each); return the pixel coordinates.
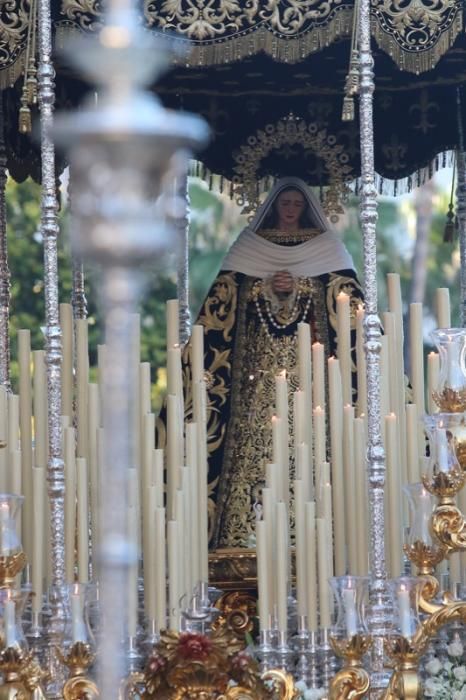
(290, 205)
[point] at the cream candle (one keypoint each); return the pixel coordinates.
(311, 566)
(304, 356)
(79, 633)
(197, 353)
(263, 582)
(300, 547)
(396, 307)
(361, 362)
(40, 409)
(349, 495)
(25, 419)
(305, 385)
(149, 557)
(336, 430)
(148, 500)
(384, 381)
(157, 467)
(13, 422)
(416, 343)
(281, 573)
(173, 323)
(303, 471)
(395, 533)
(160, 569)
(412, 443)
(433, 373)
(70, 502)
(192, 462)
(38, 538)
(132, 593)
(322, 561)
(271, 480)
(442, 307)
(82, 520)
(174, 456)
(404, 612)
(344, 345)
(318, 376)
(82, 381)
(173, 575)
(299, 416)
(319, 437)
(93, 422)
(268, 505)
(349, 604)
(200, 417)
(361, 495)
(101, 355)
(279, 450)
(281, 400)
(66, 324)
(9, 611)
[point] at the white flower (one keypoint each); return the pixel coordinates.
(447, 666)
(316, 694)
(433, 666)
(459, 694)
(301, 686)
(432, 687)
(455, 649)
(460, 673)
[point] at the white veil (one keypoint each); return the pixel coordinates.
(317, 213)
(255, 256)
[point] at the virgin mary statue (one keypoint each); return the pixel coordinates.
(287, 266)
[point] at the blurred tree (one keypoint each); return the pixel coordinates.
(215, 223)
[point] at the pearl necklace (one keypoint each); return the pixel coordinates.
(271, 319)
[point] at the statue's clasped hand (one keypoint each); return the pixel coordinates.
(282, 282)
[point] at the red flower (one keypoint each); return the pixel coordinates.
(156, 663)
(241, 661)
(194, 646)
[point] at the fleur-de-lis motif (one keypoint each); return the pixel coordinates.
(425, 109)
(395, 152)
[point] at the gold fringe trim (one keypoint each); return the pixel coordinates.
(417, 61)
(220, 184)
(294, 50)
(10, 74)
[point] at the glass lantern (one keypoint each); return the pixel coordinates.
(77, 627)
(405, 593)
(352, 598)
(12, 604)
(455, 425)
(10, 543)
(450, 394)
(421, 505)
(445, 478)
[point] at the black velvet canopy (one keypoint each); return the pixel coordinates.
(269, 78)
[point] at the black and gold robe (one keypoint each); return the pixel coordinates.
(246, 345)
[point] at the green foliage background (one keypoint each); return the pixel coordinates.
(215, 223)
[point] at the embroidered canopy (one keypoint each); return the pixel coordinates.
(269, 77)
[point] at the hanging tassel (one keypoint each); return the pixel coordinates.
(31, 85)
(347, 114)
(449, 230)
(352, 77)
(29, 92)
(451, 225)
(25, 120)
